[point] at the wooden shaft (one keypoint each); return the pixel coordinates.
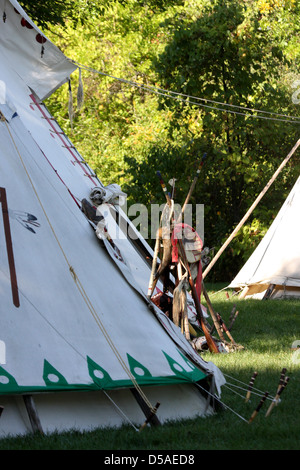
(212, 313)
(155, 274)
(154, 262)
(250, 210)
(222, 323)
(269, 292)
(233, 320)
(9, 248)
(192, 188)
(286, 380)
(33, 414)
(277, 396)
(281, 381)
(164, 188)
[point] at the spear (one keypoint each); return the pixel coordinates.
(164, 188)
(192, 187)
(154, 275)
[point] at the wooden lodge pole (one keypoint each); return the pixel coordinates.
(250, 210)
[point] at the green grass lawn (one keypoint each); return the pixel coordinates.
(267, 330)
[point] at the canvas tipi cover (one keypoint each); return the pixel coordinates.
(273, 270)
(78, 341)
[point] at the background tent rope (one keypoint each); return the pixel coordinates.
(198, 101)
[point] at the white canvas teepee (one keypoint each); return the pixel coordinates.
(79, 345)
(273, 269)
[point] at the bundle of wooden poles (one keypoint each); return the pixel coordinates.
(184, 278)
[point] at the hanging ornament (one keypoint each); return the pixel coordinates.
(4, 14)
(80, 94)
(70, 106)
(25, 24)
(41, 40)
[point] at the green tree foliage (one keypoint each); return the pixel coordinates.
(119, 122)
(47, 13)
(224, 52)
(240, 53)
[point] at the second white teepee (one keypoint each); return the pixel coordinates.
(273, 269)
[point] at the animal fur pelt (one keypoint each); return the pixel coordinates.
(180, 317)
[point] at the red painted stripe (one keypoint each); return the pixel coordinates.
(9, 248)
(62, 139)
(79, 205)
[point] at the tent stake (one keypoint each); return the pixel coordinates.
(276, 399)
(33, 414)
(151, 417)
(241, 223)
(254, 414)
(281, 380)
(269, 292)
(251, 383)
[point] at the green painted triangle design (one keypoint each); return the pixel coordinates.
(188, 362)
(99, 375)
(52, 377)
(7, 381)
(137, 369)
(175, 366)
(192, 375)
(195, 371)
